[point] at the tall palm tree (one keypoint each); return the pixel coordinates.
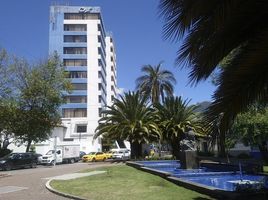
(213, 31)
(156, 82)
(129, 118)
(175, 118)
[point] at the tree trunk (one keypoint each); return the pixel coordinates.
(5, 143)
(159, 149)
(136, 150)
(175, 144)
(28, 145)
(222, 151)
(264, 152)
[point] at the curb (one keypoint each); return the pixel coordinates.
(61, 193)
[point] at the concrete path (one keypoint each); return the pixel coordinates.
(75, 175)
(29, 184)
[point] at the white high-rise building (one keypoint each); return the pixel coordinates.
(78, 35)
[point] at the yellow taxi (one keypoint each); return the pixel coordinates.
(109, 154)
(94, 156)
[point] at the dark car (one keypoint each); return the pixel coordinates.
(38, 157)
(82, 153)
(18, 160)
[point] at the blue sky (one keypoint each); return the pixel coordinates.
(136, 28)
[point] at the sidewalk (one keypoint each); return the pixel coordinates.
(74, 175)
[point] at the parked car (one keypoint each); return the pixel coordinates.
(82, 153)
(18, 160)
(38, 157)
(94, 156)
(109, 154)
(122, 154)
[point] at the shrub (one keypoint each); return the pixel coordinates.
(243, 156)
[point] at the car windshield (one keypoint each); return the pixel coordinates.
(92, 153)
(12, 155)
(50, 152)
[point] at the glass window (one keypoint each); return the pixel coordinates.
(75, 62)
(76, 99)
(75, 50)
(75, 27)
(81, 16)
(77, 74)
(79, 86)
(81, 128)
(74, 112)
(100, 112)
(75, 38)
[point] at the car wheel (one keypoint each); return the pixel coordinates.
(7, 167)
(104, 159)
(72, 161)
(33, 165)
(93, 160)
(52, 162)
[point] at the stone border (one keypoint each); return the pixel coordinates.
(62, 193)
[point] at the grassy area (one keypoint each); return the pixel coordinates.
(125, 183)
(265, 169)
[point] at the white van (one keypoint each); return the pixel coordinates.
(122, 154)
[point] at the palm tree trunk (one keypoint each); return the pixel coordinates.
(136, 150)
(222, 151)
(264, 151)
(175, 144)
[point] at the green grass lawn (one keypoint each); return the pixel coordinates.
(125, 183)
(265, 169)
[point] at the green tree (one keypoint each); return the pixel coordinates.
(232, 32)
(31, 109)
(129, 118)
(155, 82)
(41, 93)
(251, 128)
(175, 118)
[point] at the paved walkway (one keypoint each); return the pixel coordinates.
(75, 175)
(29, 184)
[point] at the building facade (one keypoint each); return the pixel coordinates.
(78, 36)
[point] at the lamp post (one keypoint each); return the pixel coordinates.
(55, 150)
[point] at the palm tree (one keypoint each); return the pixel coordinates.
(155, 82)
(234, 32)
(175, 118)
(129, 118)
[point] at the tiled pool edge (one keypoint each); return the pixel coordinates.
(207, 190)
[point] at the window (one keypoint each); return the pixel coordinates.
(75, 27)
(100, 110)
(75, 62)
(100, 87)
(75, 38)
(100, 62)
(77, 74)
(75, 50)
(81, 128)
(79, 86)
(100, 52)
(81, 16)
(68, 139)
(74, 112)
(76, 99)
